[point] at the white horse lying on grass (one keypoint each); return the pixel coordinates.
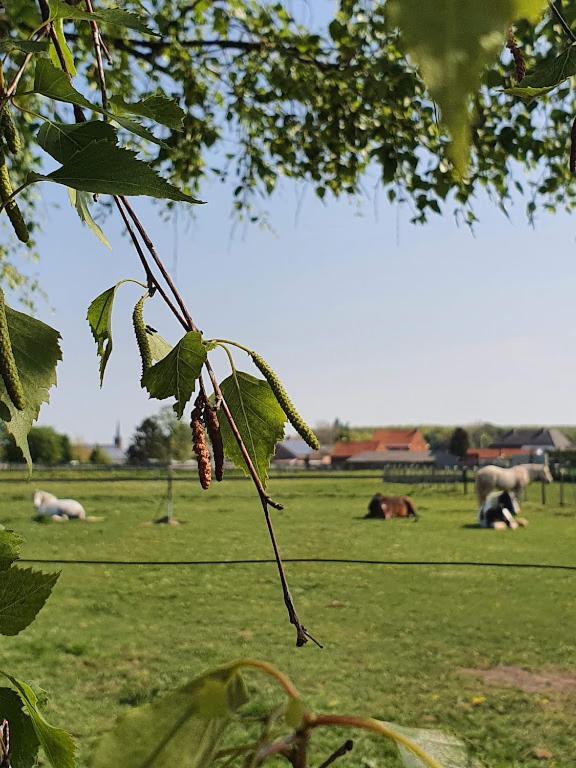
(59, 510)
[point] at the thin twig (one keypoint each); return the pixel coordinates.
(561, 20)
(98, 53)
(184, 317)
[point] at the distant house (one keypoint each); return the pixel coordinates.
(294, 452)
(381, 459)
(479, 457)
(399, 442)
(533, 440)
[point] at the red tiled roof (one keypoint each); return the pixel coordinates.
(394, 436)
(345, 449)
(496, 453)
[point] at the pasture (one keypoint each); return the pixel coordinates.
(396, 638)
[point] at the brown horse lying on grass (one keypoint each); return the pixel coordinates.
(387, 507)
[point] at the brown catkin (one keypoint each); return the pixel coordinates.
(519, 63)
(8, 367)
(141, 335)
(285, 403)
(199, 444)
(213, 429)
(9, 131)
(10, 205)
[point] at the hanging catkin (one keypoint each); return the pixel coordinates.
(141, 335)
(199, 444)
(8, 368)
(10, 205)
(9, 131)
(285, 403)
(213, 429)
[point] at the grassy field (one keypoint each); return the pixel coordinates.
(396, 638)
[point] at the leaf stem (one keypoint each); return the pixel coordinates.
(376, 726)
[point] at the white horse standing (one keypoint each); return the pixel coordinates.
(513, 479)
(47, 505)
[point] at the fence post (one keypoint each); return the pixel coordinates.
(543, 492)
(465, 479)
(562, 486)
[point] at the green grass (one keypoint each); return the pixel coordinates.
(395, 638)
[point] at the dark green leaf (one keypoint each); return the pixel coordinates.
(55, 84)
(58, 745)
(9, 548)
(59, 9)
(258, 417)
(176, 374)
(158, 108)
(37, 352)
(25, 46)
(62, 140)
(107, 169)
(547, 76)
(181, 729)
(23, 592)
(24, 743)
(100, 321)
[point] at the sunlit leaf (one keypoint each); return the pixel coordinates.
(176, 374)
(452, 41)
(80, 201)
(23, 592)
(158, 108)
(180, 729)
(258, 417)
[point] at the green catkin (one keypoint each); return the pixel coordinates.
(10, 205)
(285, 403)
(141, 335)
(8, 368)
(10, 132)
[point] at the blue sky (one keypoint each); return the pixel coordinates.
(365, 317)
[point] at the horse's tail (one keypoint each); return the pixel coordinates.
(411, 511)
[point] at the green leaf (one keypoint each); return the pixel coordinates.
(9, 548)
(452, 41)
(37, 352)
(62, 140)
(159, 347)
(176, 374)
(99, 318)
(158, 108)
(134, 127)
(23, 592)
(258, 417)
(55, 84)
(527, 94)
(181, 729)
(447, 750)
(24, 743)
(547, 76)
(58, 745)
(80, 202)
(66, 53)
(59, 9)
(102, 167)
(8, 45)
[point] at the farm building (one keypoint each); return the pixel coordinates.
(478, 457)
(294, 452)
(114, 452)
(399, 441)
(381, 459)
(533, 440)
